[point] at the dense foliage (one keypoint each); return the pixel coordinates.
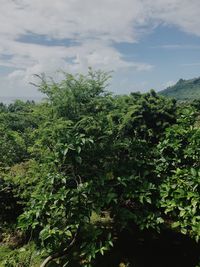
(79, 168)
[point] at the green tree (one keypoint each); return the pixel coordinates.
(100, 150)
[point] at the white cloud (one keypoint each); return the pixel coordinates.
(181, 13)
(178, 46)
(168, 84)
(193, 64)
(94, 26)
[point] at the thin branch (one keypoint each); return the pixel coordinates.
(60, 254)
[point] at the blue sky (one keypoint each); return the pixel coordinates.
(172, 53)
(147, 43)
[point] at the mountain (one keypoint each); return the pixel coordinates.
(184, 89)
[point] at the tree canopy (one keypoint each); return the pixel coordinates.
(86, 164)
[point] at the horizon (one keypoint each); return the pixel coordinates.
(11, 99)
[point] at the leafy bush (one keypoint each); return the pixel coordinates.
(89, 153)
(26, 256)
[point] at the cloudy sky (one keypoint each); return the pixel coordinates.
(147, 43)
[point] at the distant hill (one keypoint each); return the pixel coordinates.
(8, 99)
(184, 89)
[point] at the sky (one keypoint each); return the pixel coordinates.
(146, 43)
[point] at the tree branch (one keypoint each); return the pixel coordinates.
(61, 253)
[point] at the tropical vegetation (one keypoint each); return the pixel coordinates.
(85, 166)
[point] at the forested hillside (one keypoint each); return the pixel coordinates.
(184, 90)
(85, 168)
